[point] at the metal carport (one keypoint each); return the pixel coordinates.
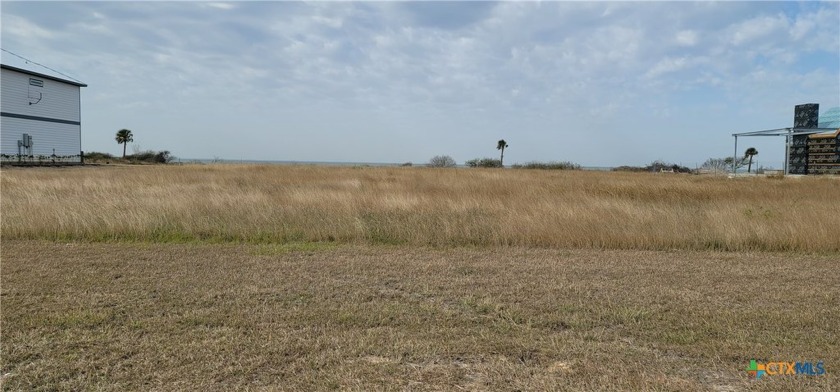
(787, 132)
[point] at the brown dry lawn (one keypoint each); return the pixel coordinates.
(316, 316)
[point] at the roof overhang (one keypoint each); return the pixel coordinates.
(40, 75)
(786, 131)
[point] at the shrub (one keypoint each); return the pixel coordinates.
(151, 157)
(163, 157)
(39, 159)
(98, 156)
(139, 157)
(655, 166)
(629, 169)
(553, 165)
(484, 162)
(442, 161)
(722, 164)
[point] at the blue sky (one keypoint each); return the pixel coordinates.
(596, 83)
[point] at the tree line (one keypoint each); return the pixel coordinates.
(715, 164)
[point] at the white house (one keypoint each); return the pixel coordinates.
(40, 117)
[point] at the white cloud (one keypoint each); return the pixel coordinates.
(334, 23)
(686, 38)
(667, 65)
(757, 28)
(810, 32)
(24, 29)
(221, 6)
(801, 28)
(373, 81)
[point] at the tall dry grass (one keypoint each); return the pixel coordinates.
(420, 206)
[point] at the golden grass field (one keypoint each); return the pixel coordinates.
(223, 277)
(420, 206)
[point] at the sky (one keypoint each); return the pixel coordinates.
(594, 83)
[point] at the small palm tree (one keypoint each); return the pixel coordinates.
(750, 153)
(502, 145)
(124, 137)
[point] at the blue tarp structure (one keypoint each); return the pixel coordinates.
(830, 119)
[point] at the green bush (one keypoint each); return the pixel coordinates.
(553, 165)
(140, 157)
(655, 166)
(151, 157)
(484, 162)
(98, 156)
(442, 161)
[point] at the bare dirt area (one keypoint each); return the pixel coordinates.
(314, 316)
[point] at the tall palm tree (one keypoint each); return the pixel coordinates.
(502, 145)
(750, 153)
(124, 137)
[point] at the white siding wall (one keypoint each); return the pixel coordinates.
(58, 101)
(46, 136)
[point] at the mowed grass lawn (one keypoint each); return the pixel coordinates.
(88, 316)
(318, 278)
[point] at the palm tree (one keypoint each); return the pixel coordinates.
(124, 137)
(502, 145)
(749, 153)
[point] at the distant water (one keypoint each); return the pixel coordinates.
(257, 162)
(326, 163)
